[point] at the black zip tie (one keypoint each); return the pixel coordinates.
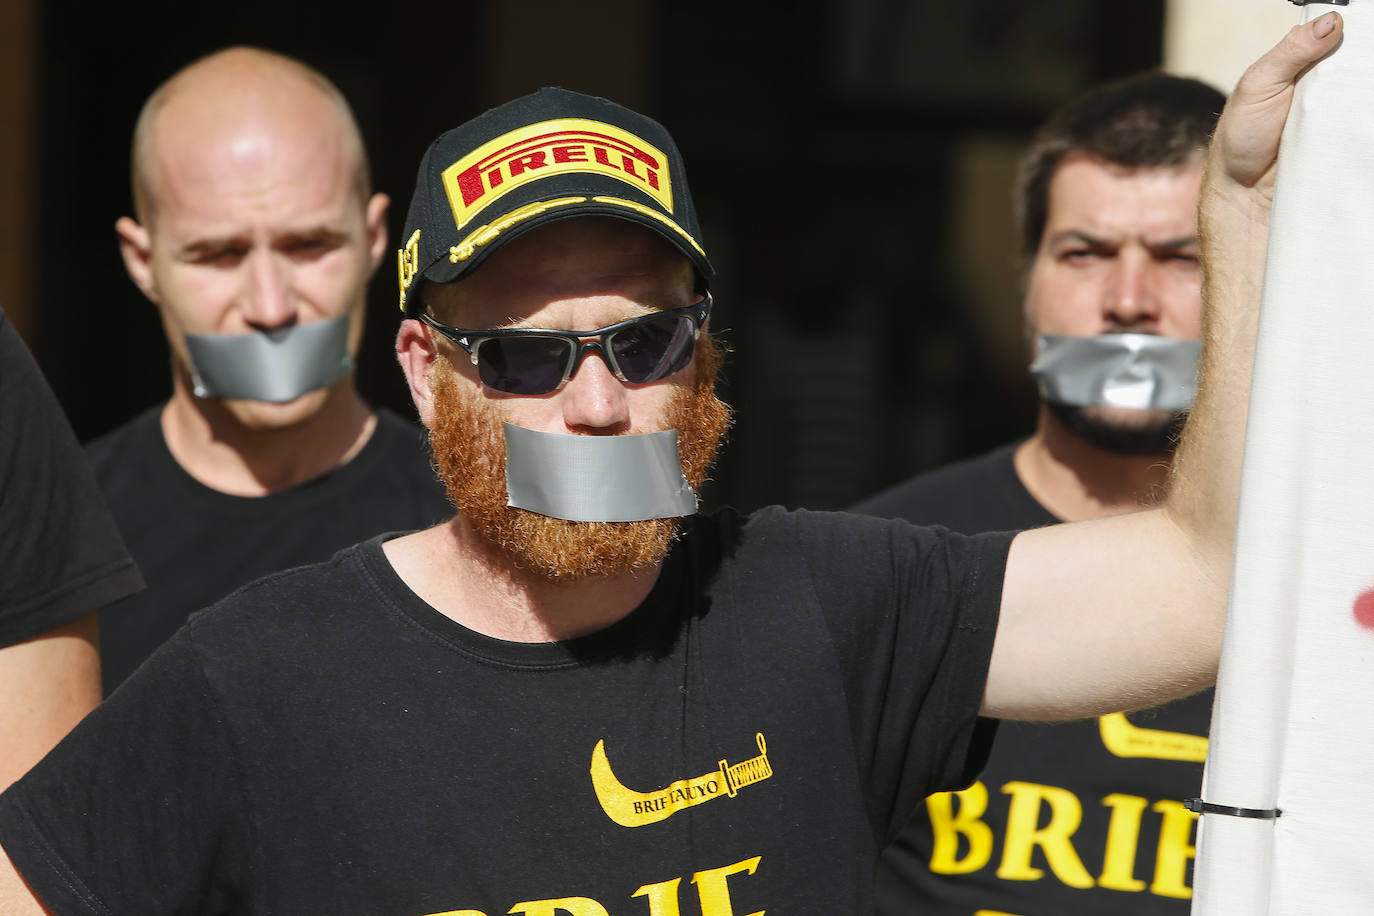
(1201, 807)
(1304, 3)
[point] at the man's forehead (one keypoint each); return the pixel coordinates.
(251, 144)
(1096, 197)
(1079, 171)
(254, 179)
(564, 260)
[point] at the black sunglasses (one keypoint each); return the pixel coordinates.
(537, 361)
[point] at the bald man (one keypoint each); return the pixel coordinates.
(256, 234)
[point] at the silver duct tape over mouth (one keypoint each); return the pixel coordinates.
(279, 365)
(1139, 371)
(596, 478)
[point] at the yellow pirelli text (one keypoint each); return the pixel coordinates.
(1045, 819)
(554, 147)
(662, 898)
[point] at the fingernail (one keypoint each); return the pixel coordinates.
(1323, 26)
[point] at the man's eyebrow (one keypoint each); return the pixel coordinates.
(1087, 238)
(212, 244)
(1183, 241)
(322, 233)
(1079, 235)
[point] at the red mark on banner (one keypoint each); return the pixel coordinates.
(1364, 609)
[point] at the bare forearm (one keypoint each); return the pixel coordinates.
(16, 899)
(1204, 485)
(1233, 224)
(48, 685)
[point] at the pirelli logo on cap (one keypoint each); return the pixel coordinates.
(550, 148)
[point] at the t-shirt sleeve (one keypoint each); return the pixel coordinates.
(141, 808)
(912, 613)
(62, 552)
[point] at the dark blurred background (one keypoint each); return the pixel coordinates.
(851, 162)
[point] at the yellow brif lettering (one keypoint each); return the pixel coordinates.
(1054, 838)
(662, 897)
(947, 826)
(1175, 850)
(574, 906)
(1123, 835)
(713, 888)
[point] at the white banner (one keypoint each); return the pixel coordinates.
(1293, 726)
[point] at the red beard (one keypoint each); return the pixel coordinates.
(470, 454)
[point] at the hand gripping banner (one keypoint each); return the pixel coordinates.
(1288, 796)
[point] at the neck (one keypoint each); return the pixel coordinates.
(218, 447)
(466, 578)
(1075, 480)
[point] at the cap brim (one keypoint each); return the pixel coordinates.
(449, 269)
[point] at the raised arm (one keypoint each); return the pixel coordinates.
(1127, 612)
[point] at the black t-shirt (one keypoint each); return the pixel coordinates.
(61, 553)
(1013, 843)
(195, 544)
(323, 741)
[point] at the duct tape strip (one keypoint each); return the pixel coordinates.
(1201, 807)
(278, 365)
(1137, 371)
(596, 478)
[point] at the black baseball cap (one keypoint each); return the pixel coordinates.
(546, 156)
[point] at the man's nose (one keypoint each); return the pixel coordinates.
(594, 400)
(268, 301)
(1129, 299)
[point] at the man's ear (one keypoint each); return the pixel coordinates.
(416, 352)
(375, 217)
(135, 247)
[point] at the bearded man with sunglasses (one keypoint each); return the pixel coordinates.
(608, 704)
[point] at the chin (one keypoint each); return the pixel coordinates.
(265, 416)
(1123, 430)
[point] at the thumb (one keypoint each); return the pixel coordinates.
(1247, 137)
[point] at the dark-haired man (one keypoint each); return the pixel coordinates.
(1082, 817)
(256, 235)
(578, 696)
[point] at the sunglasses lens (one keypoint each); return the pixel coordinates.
(654, 348)
(522, 365)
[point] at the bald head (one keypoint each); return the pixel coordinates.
(242, 102)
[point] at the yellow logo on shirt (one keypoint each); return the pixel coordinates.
(631, 808)
(1124, 739)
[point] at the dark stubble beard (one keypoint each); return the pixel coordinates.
(470, 456)
(1154, 436)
